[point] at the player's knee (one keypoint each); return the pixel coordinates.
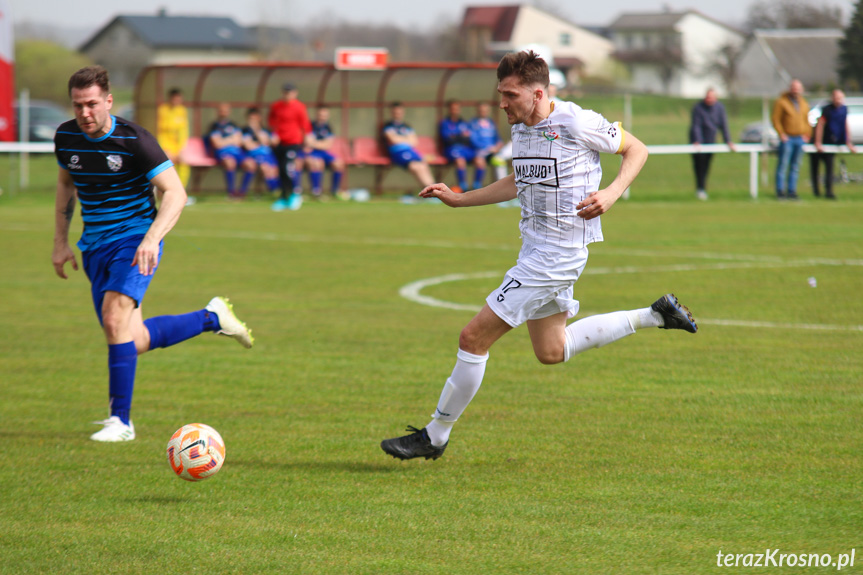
(469, 341)
(549, 356)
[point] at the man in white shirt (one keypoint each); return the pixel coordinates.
(556, 176)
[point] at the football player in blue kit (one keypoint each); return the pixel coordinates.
(321, 156)
(111, 166)
(225, 141)
(401, 141)
(455, 136)
(258, 144)
(486, 140)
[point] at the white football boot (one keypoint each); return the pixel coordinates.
(230, 325)
(114, 430)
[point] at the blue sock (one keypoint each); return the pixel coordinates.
(230, 179)
(122, 361)
(478, 178)
(273, 184)
(168, 330)
(247, 179)
(337, 181)
(461, 175)
(315, 178)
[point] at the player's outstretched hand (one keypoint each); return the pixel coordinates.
(147, 257)
(61, 255)
(441, 192)
(596, 204)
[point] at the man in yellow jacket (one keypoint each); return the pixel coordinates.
(172, 130)
(791, 121)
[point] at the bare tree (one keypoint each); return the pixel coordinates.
(787, 14)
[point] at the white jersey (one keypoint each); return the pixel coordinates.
(556, 165)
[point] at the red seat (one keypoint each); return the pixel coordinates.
(427, 148)
(367, 151)
(195, 154)
(341, 149)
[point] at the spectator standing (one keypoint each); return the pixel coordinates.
(487, 142)
(258, 147)
(225, 140)
(791, 122)
(321, 156)
(401, 141)
(708, 118)
(289, 119)
(172, 131)
(455, 136)
(832, 129)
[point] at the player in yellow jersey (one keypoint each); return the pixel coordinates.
(172, 131)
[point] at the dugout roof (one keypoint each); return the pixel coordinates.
(358, 99)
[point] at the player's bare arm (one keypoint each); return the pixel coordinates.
(633, 156)
(173, 201)
(500, 191)
(64, 211)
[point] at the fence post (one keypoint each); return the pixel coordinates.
(24, 136)
(753, 174)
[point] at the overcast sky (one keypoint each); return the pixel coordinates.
(416, 14)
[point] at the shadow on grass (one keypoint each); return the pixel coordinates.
(321, 466)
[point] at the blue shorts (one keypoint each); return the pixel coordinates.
(263, 156)
(229, 152)
(109, 268)
(451, 153)
(324, 155)
(403, 157)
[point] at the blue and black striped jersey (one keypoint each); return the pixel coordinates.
(112, 176)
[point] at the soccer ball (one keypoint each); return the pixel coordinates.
(196, 452)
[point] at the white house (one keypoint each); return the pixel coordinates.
(675, 53)
(488, 32)
(772, 58)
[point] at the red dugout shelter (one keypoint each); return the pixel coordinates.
(358, 99)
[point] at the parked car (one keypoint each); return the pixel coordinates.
(754, 132)
(45, 117)
(855, 116)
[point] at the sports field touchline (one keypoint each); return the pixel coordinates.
(412, 292)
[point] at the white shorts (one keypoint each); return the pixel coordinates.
(525, 294)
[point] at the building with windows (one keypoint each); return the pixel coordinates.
(489, 32)
(676, 53)
(128, 43)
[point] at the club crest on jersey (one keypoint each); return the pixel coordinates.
(550, 136)
(73, 163)
(115, 162)
(536, 171)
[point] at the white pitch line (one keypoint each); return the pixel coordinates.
(412, 292)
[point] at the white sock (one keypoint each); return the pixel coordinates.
(597, 331)
(457, 393)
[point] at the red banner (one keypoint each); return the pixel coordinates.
(361, 58)
(7, 75)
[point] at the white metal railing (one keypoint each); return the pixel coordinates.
(754, 151)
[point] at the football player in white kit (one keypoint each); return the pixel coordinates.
(556, 176)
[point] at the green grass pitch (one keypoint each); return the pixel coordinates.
(650, 455)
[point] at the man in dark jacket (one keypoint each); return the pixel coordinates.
(708, 117)
(831, 129)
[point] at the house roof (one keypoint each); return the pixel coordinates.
(657, 20)
(809, 55)
(500, 19)
(164, 31)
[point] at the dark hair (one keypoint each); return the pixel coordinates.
(252, 110)
(174, 92)
(396, 104)
(90, 76)
(527, 66)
